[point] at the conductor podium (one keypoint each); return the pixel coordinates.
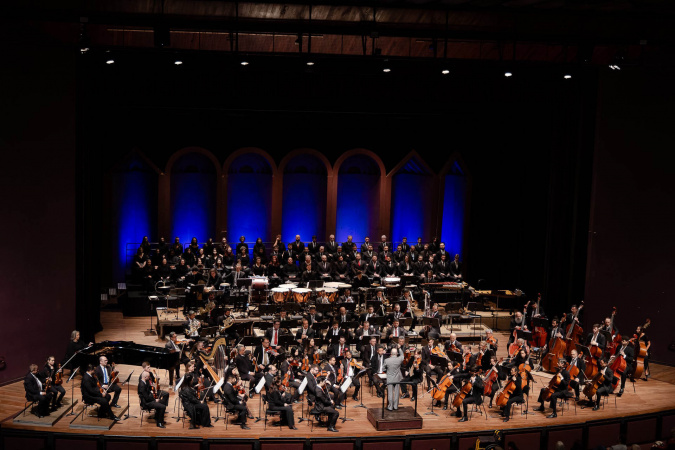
(403, 418)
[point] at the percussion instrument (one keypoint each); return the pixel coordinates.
(393, 291)
(224, 286)
(344, 286)
(301, 295)
(259, 283)
(391, 280)
(280, 294)
(332, 284)
(331, 293)
(288, 285)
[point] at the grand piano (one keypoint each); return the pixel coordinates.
(126, 352)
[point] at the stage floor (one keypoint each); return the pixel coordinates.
(656, 395)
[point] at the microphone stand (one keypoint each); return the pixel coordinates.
(72, 391)
(127, 415)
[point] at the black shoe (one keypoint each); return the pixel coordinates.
(217, 400)
(404, 395)
(194, 427)
(160, 425)
(338, 407)
(250, 416)
(332, 429)
(342, 405)
(552, 416)
(380, 395)
(464, 419)
(208, 426)
(620, 393)
(458, 414)
(490, 405)
(506, 419)
(244, 427)
(115, 418)
(596, 407)
(116, 406)
(540, 409)
(632, 380)
(355, 398)
(577, 399)
(412, 399)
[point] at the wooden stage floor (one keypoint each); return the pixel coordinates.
(656, 395)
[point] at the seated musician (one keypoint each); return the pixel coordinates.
(313, 316)
(104, 374)
(321, 252)
(412, 371)
(277, 402)
(273, 334)
(245, 366)
(349, 370)
(491, 340)
(453, 345)
(174, 346)
(257, 268)
(325, 269)
(35, 391)
(377, 367)
(374, 269)
(49, 373)
(405, 267)
(290, 365)
(442, 269)
(148, 401)
(91, 394)
(429, 368)
(213, 280)
(197, 411)
(162, 396)
(308, 274)
(347, 297)
(607, 327)
(304, 333)
(594, 338)
(517, 323)
(475, 395)
(338, 349)
(395, 330)
(419, 267)
(429, 277)
(626, 351)
(485, 356)
(397, 314)
(607, 386)
(366, 329)
(517, 394)
(210, 314)
(264, 356)
(560, 390)
(581, 365)
(456, 269)
(369, 314)
(555, 330)
(324, 404)
(343, 316)
(522, 357)
(192, 326)
(234, 402)
(399, 255)
(389, 268)
(341, 270)
(322, 298)
(335, 333)
(358, 265)
(333, 386)
(501, 375)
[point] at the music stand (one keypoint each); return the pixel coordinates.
(524, 334)
(72, 391)
(472, 306)
(324, 308)
(377, 321)
(343, 389)
(583, 350)
(257, 389)
(127, 415)
(540, 322)
(208, 331)
(433, 385)
(314, 284)
(269, 309)
(350, 325)
(301, 392)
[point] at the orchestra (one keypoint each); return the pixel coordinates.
(360, 322)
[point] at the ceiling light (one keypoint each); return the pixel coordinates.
(110, 61)
(614, 67)
(178, 62)
(310, 63)
(84, 50)
(445, 71)
(508, 74)
(567, 76)
(386, 70)
(244, 63)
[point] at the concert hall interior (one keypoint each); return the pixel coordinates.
(532, 139)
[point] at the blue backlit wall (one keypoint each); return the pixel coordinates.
(133, 210)
(411, 202)
(358, 201)
(304, 199)
(249, 198)
(454, 201)
(193, 198)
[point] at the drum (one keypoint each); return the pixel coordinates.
(391, 280)
(332, 284)
(259, 284)
(393, 291)
(224, 286)
(301, 295)
(331, 293)
(279, 294)
(288, 285)
(344, 286)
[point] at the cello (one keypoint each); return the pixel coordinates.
(592, 387)
(461, 395)
(490, 377)
(503, 395)
(556, 350)
(552, 386)
(438, 393)
(574, 332)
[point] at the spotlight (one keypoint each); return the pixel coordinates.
(567, 76)
(445, 71)
(614, 67)
(508, 74)
(310, 63)
(386, 70)
(178, 62)
(110, 61)
(84, 50)
(244, 63)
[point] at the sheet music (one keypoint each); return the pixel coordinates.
(302, 386)
(175, 389)
(260, 385)
(346, 384)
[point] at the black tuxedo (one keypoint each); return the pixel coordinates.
(374, 268)
(308, 276)
(332, 337)
(115, 389)
(318, 317)
(600, 340)
(331, 247)
(34, 389)
(147, 401)
(324, 268)
(381, 245)
(269, 334)
(313, 247)
(389, 269)
(91, 395)
(309, 333)
(232, 402)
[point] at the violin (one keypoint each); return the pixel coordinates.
(440, 353)
(305, 364)
(355, 365)
(492, 341)
(57, 376)
(316, 358)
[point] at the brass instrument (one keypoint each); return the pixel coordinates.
(227, 323)
(194, 327)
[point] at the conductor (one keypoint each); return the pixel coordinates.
(392, 366)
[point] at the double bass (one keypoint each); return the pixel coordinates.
(539, 334)
(640, 352)
(573, 333)
(616, 337)
(556, 350)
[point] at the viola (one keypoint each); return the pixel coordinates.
(57, 376)
(461, 395)
(305, 364)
